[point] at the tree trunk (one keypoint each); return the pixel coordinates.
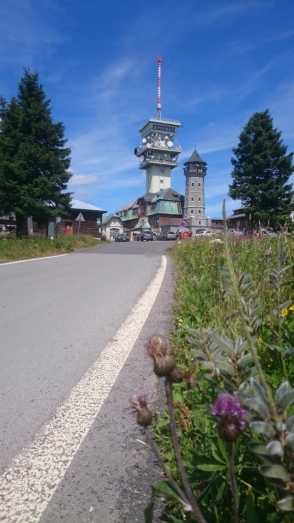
(21, 226)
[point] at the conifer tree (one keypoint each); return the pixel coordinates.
(261, 172)
(33, 160)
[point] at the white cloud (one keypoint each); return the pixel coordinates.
(83, 179)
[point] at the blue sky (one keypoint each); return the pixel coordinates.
(222, 60)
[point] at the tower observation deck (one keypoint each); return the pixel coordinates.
(158, 152)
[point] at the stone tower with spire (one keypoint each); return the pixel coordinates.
(194, 206)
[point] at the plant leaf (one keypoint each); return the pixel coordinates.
(287, 399)
(281, 391)
(261, 427)
(286, 504)
(275, 471)
(211, 467)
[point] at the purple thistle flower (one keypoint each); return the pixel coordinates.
(231, 417)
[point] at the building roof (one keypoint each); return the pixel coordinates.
(167, 194)
(107, 217)
(83, 206)
(195, 158)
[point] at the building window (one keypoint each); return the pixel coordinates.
(192, 184)
(199, 184)
(199, 211)
(186, 200)
(199, 223)
(199, 199)
(192, 212)
(192, 199)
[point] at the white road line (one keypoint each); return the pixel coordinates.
(30, 481)
(33, 259)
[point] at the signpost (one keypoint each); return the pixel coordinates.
(80, 218)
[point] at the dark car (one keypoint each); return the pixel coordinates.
(145, 236)
(163, 236)
(122, 238)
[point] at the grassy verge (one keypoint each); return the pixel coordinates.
(35, 247)
(202, 304)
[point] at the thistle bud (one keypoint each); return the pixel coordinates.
(178, 375)
(163, 366)
(139, 405)
(163, 362)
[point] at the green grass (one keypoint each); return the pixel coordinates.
(201, 303)
(12, 248)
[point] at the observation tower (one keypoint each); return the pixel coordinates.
(158, 152)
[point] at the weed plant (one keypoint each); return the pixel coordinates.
(233, 344)
(12, 248)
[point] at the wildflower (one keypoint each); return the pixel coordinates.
(139, 405)
(284, 313)
(231, 417)
(202, 267)
(163, 362)
(260, 339)
(291, 308)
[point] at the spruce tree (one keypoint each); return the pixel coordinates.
(261, 172)
(33, 160)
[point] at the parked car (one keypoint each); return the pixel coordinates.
(162, 236)
(145, 236)
(183, 235)
(202, 232)
(266, 232)
(167, 235)
(122, 238)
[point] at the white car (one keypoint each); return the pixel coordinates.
(202, 232)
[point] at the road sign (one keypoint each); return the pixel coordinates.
(80, 218)
(182, 223)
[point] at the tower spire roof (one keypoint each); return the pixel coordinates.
(195, 158)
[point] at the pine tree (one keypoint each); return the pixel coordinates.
(33, 160)
(261, 172)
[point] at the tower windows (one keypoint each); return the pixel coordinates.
(192, 212)
(192, 199)
(199, 199)
(199, 184)
(199, 211)
(186, 200)
(192, 184)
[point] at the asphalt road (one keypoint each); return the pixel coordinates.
(59, 317)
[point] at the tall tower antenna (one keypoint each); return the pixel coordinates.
(159, 60)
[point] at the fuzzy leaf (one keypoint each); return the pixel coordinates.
(242, 362)
(289, 352)
(241, 348)
(275, 471)
(225, 367)
(290, 424)
(287, 399)
(207, 365)
(286, 504)
(225, 344)
(258, 448)
(258, 406)
(285, 305)
(258, 390)
(199, 354)
(281, 391)
(290, 441)
(261, 427)
(274, 448)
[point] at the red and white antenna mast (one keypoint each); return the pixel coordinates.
(159, 60)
